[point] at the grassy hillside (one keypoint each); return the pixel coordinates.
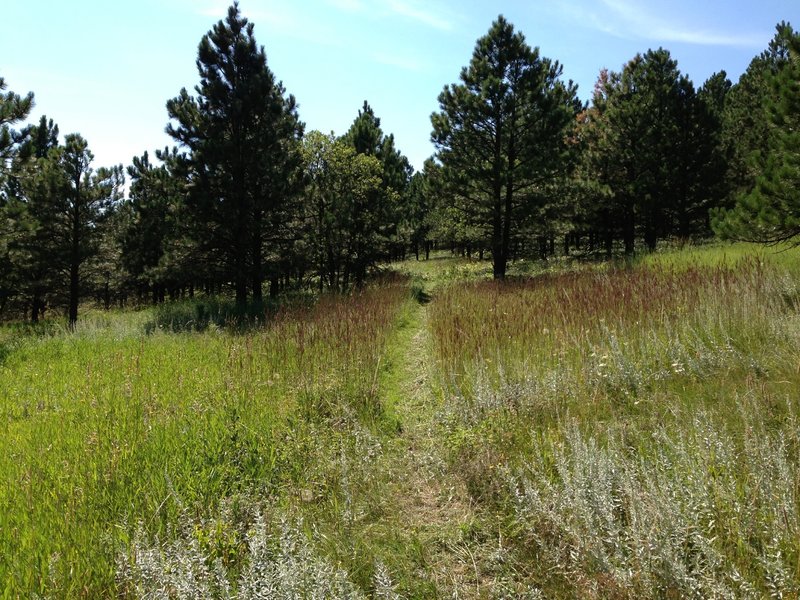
(589, 430)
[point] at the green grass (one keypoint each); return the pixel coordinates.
(113, 427)
(582, 430)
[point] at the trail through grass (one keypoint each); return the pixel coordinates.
(432, 509)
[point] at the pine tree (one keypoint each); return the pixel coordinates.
(34, 246)
(13, 108)
(713, 180)
(153, 207)
(746, 122)
(643, 147)
(501, 134)
(242, 135)
(418, 206)
(770, 212)
(69, 202)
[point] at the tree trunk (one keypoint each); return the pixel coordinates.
(74, 290)
(75, 265)
(507, 213)
(629, 231)
(274, 286)
(498, 255)
(36, 308)
(498, 259)
(241, 290)
(257, 274)
(258, 293)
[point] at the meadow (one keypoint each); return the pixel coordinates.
(581, 430)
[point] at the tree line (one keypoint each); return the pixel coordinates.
(247, 201)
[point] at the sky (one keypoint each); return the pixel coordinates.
(105, 68)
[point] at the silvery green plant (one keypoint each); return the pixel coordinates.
(666, 521)
(279, 566)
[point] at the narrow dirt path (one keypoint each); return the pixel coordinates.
(433, 508)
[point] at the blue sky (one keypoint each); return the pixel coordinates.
(106, 69)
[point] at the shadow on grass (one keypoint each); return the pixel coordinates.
(219, 312)
(199, 315)
(14, 334)
(419, 294)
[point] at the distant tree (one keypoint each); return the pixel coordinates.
(343, 223)
(713, 176)
(104, 278)
(152, 224)
(651, 145)
(501, 134)
(698, 178)
(770, 212)
(366, 137)
(453, 220)
(16, 228)
(417, 204)
(242, 137)
(33, 244)
(69, 201)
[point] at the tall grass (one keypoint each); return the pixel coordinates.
(114, 426)
(632, 432)
(620, 330)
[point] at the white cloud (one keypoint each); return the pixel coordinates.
(414, 11)
(409, 9)
(631, 19)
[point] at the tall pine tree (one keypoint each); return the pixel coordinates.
(746, 122)
(501, 134)
(242, 136)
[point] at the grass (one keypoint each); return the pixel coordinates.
(107, 432)
(581, 430)
(632, 432)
